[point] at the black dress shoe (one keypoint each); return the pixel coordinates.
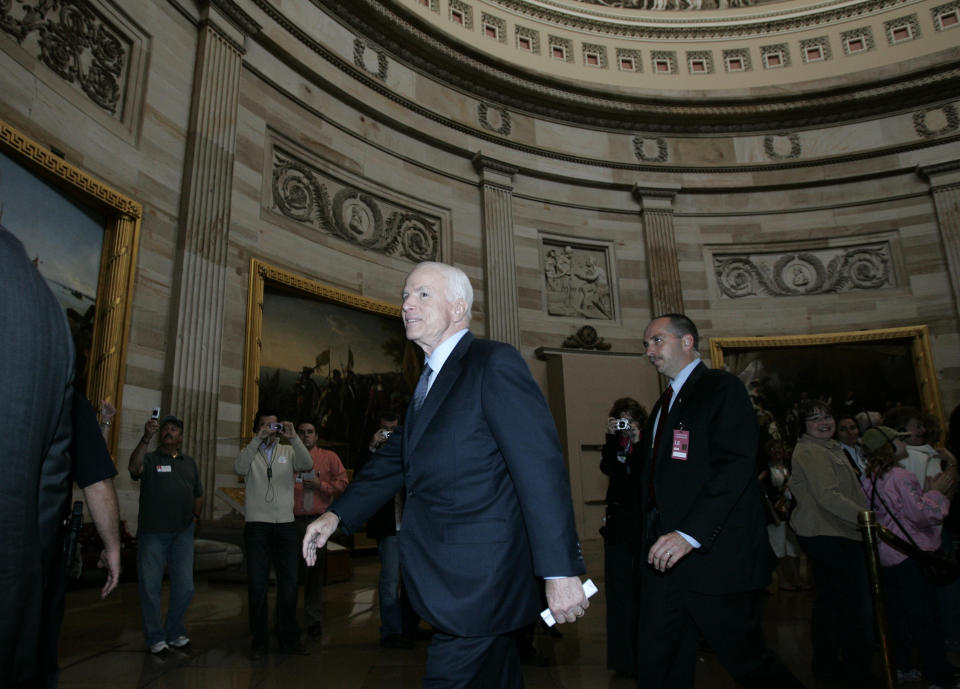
(297, 649)
(396, 641)
(315, 629)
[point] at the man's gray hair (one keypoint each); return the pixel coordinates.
(458, 284)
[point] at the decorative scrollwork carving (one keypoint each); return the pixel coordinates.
(296, 192)
(360, 47)
(417, 236)
(75, 43)
(804, 273)
(770, 146)
(640, 145)
(483, 114)
(951, 122)
(354, 215)
(586, 338)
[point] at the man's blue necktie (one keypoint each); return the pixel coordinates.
(420, 392)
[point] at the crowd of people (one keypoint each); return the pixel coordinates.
(813, 488)
(469, 501)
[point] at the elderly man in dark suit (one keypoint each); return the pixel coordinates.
(705, 529)
(488, 506)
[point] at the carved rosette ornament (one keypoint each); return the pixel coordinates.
(353, 215)
(804, 273)
(74, 42)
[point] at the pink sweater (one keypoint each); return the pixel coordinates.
(921, 514)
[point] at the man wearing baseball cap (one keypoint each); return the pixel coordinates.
(171, 497)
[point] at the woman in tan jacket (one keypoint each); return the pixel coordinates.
(828, 495)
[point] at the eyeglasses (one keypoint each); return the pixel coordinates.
(819, 418)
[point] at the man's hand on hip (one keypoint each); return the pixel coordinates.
(317, 534)
(566, 599)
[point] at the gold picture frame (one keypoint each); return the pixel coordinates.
(910, 340)
(121, 236)
(345, 306)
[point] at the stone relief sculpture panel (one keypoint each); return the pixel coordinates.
(576, 281)
(817, 271)
(70, 38)
(318, 200)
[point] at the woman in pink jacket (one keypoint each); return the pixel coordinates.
(915, 515)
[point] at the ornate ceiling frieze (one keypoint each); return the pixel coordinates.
(803, 273)
(690, 26)
(449, 63)
(317, 200)
(75, 42)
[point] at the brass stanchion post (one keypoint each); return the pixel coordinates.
(871, 538)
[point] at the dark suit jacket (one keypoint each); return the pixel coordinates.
(714, 495)
(488, 504)
(36, 367)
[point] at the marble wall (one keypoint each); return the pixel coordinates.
(321, 101)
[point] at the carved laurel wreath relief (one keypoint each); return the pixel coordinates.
(820, 271)
(73, 41)
(306, 196)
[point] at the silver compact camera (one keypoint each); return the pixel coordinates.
(386, 434)
(623, 424)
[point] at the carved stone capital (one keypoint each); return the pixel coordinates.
(940, 174)
(242, 21)
(655, 196)
(494, 171)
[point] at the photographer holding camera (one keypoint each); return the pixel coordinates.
(171, 497)
(270, 534)
(622, 532)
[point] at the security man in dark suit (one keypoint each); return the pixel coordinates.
(705, 530)
(488, 505)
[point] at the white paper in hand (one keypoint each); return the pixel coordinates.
(589, 588)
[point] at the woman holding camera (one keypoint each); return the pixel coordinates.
(622, 532)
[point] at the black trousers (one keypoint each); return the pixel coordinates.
(477, 662)
(841, 625)
(672, 620)
(621, 566)
(272, 544)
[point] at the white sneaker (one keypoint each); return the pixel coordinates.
(159, 648)
(904, 676)
(180, 642)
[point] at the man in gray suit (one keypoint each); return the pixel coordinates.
(36, 368)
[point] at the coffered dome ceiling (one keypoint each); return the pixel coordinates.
(693, 66)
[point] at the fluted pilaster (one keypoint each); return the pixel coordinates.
(205, 224)
(500, 266)
(944, 180)
(656, 203)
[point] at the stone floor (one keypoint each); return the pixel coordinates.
(102, 647)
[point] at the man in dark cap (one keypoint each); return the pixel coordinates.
(171, 497)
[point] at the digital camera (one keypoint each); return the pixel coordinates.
(623, 424)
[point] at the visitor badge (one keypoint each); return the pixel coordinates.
(164, 468)
(281, 460)
(681, 444)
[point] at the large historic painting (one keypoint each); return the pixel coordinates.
(64, 238)
(320, 354)
(867, 370)
(82, 236)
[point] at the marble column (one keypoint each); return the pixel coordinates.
(944, 180)
(656, 204)
(500, 265)
(200, 276)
